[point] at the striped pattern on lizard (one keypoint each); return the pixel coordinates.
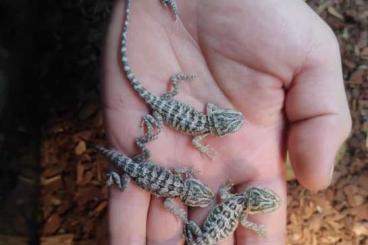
(224, 218)
(178, 115)
(160, 181)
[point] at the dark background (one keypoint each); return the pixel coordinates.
(49, 66)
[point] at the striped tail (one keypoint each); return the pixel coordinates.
(137, 85)
(117, 158)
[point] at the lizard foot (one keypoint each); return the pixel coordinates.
(148, 121)
(258, 228)
(224, 190)
(205, 149)
(261, 230)
(208, 151)
(121, 181)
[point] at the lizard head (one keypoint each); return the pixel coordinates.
(197, 194)
(261, 200)
(224, 121)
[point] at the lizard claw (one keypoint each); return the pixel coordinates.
(113, 178)
(208, 151)
(228, 185)
(261, 230)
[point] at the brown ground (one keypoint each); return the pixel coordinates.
(73, 199)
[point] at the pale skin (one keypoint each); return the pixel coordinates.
(275, 61)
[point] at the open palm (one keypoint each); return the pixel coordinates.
(275, 61)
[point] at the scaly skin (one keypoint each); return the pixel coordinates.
(234, 209)
(158, 180)
(178, 115)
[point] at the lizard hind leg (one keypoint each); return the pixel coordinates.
(174, 80)
(190, 229)
(148, 121)
(122, 181)
(186, 171)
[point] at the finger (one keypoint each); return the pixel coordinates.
(128, 215)
(274, 222)
(318, 113)
(163, 227)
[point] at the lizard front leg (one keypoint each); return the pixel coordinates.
(174, 83)
(205, 149)
(122, 181)
(224, 191)
(259, 229)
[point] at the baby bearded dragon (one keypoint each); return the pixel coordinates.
(224, 218)
(180, 116)
(158, 180)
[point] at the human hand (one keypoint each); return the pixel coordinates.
(275, 61)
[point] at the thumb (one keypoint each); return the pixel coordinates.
(317, 110)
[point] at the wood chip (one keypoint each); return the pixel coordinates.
(361, 211)
(100, 207)
(80, 148)
(52, 224)
(335, 13)
(361, 228)
(66, 239)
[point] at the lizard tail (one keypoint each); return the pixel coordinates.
(137, 85)
(111, 155)
(119, 159)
